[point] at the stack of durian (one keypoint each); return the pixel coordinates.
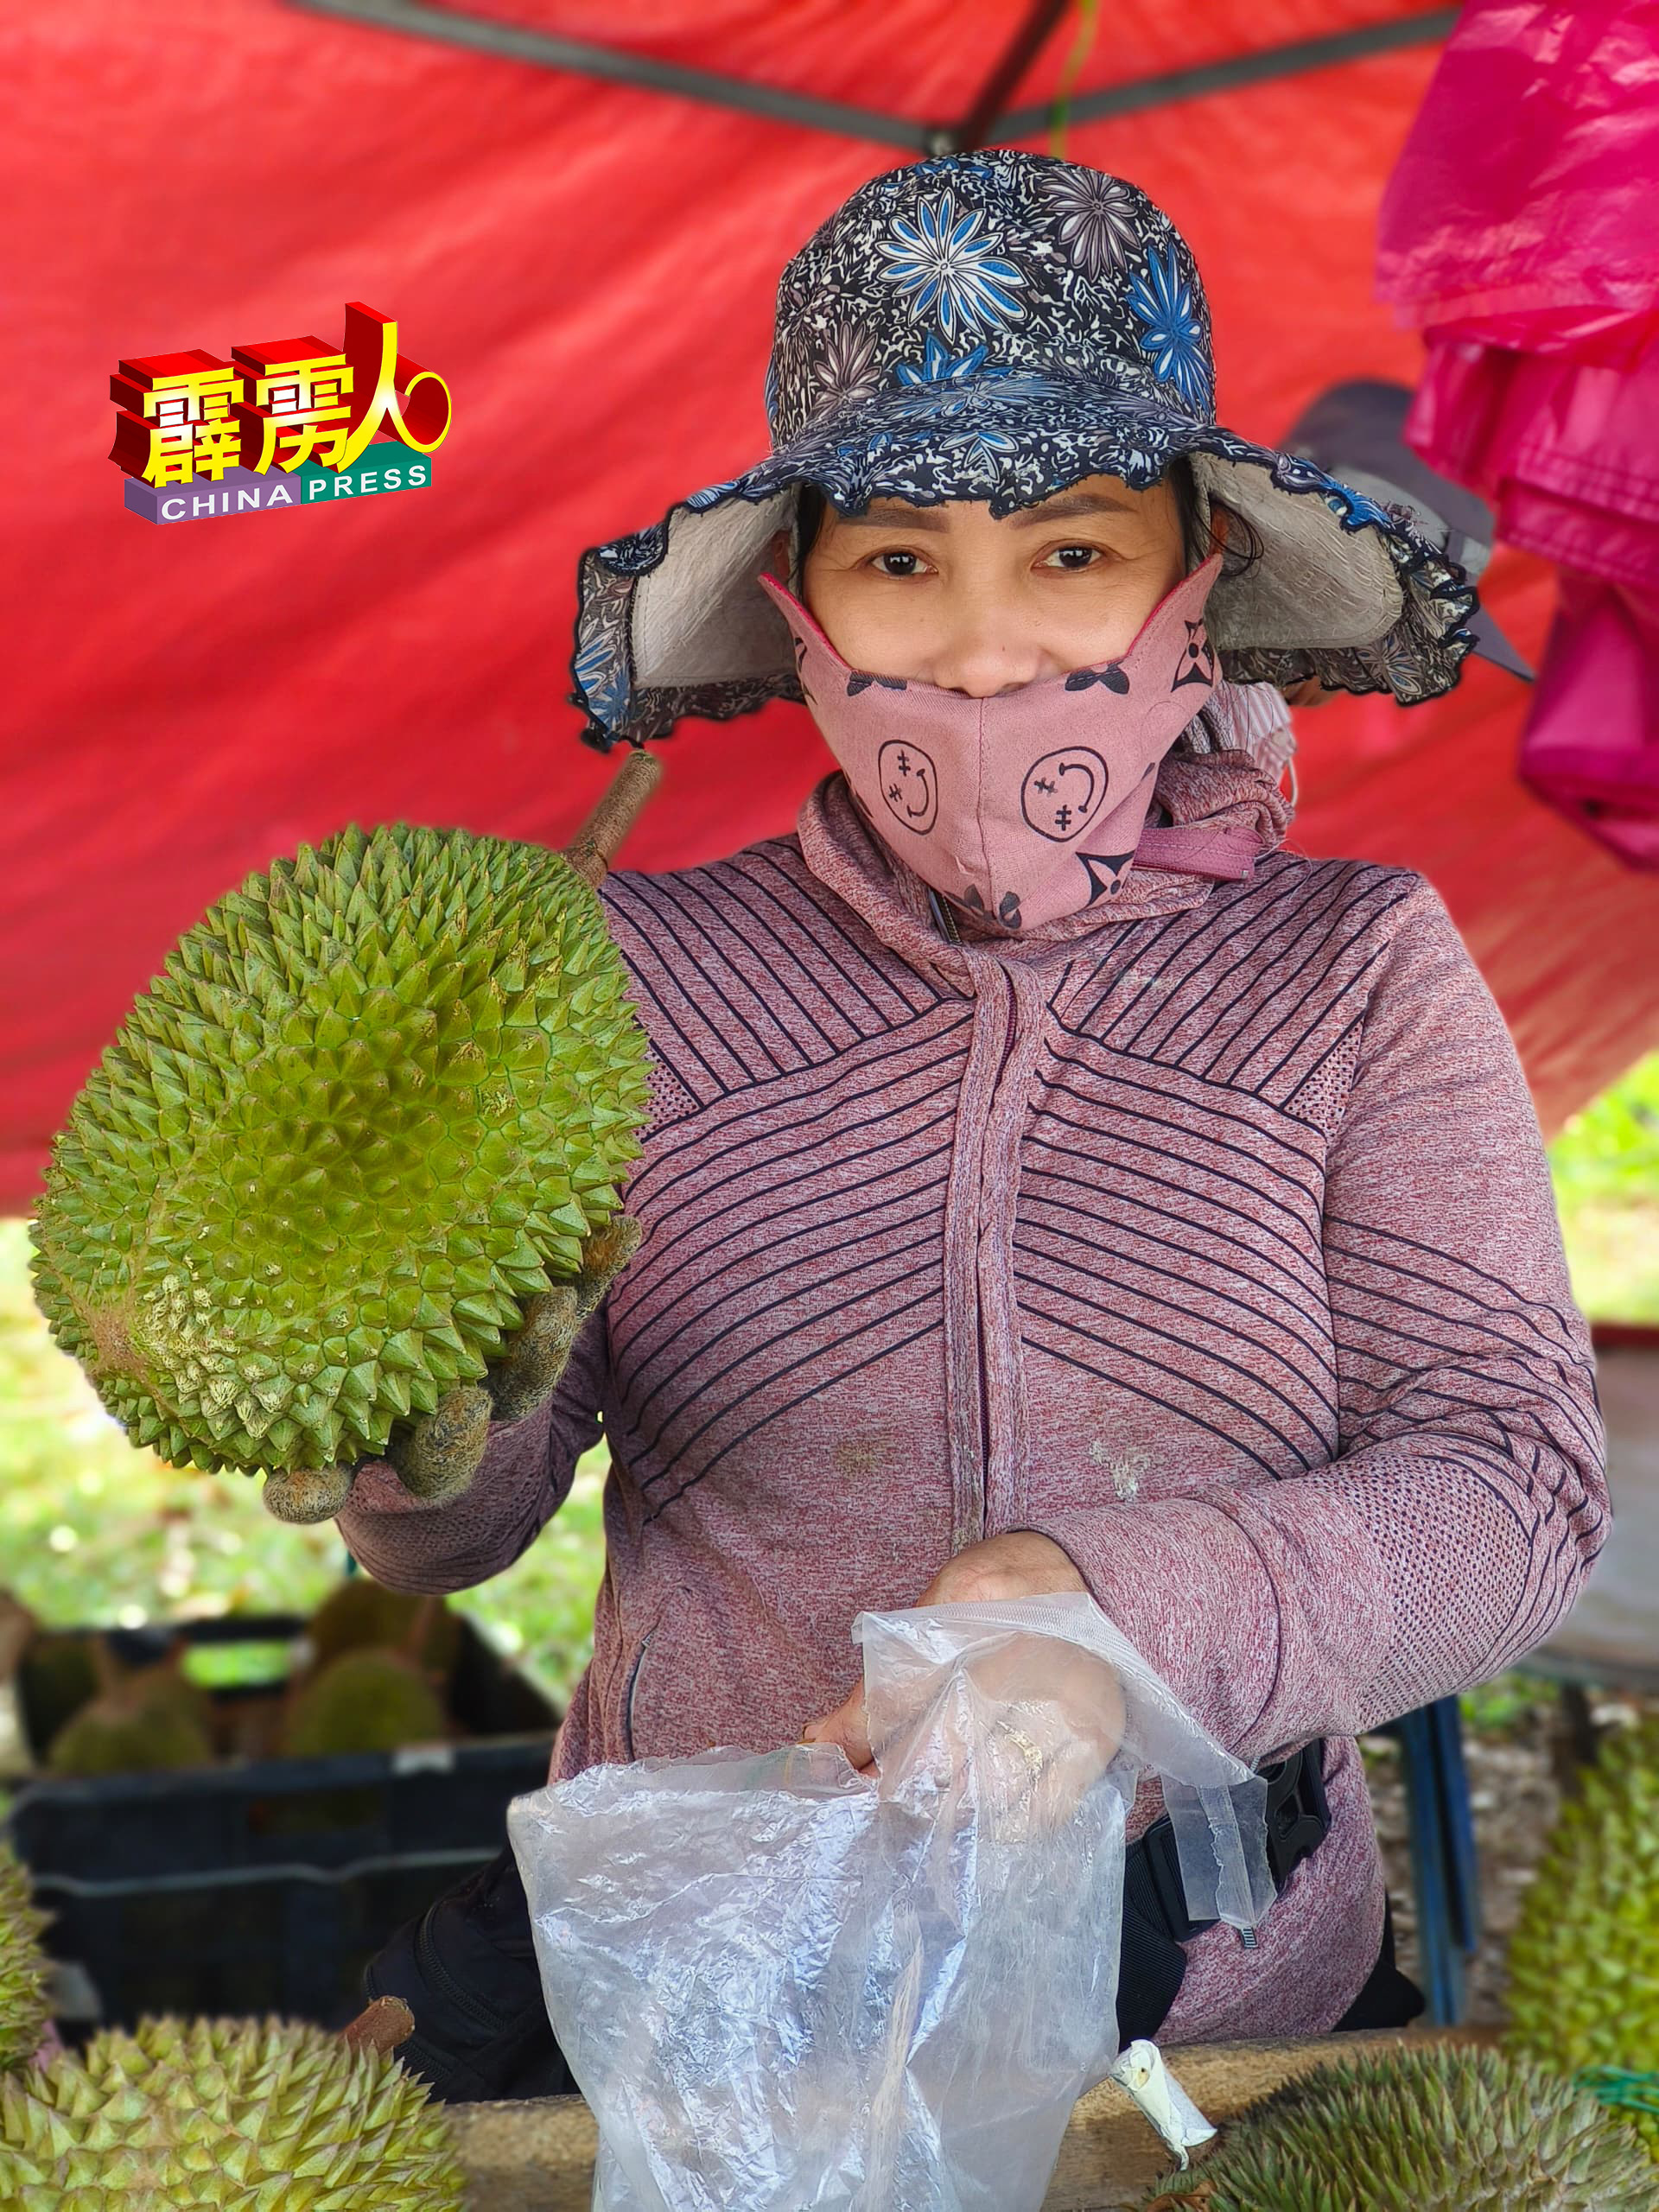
(1564, 2118)
(202, 2115)
(377, 1667)
(229, 2114)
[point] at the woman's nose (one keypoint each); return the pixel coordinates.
(983, 665)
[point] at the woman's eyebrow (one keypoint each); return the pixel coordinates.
(1070, 503)
(898, 514)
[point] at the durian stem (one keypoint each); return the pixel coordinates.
(594, 846)
(107, 1671)
(381, 2026)
(422, 1622)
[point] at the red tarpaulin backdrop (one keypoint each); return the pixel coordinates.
(591, 270)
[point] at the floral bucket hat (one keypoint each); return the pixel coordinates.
(993, 327)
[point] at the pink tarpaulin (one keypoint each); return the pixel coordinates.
(590, 269)
(1517, 234)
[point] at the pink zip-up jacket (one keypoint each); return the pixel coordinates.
(1210, 1236)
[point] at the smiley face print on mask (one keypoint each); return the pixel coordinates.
(909, 785)
(994, 801)
(1062, 791)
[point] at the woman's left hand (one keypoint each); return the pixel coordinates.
(1021, 1565)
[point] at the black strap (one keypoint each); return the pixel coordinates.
(1156, 1922)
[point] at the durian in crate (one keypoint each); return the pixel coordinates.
(1438, 2130)
(363, 1701)
(120, 1734)
(360, 1614)
(361, 1138)
(224, 2116)
(142, 1719)
(1584, 1959)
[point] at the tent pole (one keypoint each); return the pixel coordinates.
(1005, 80)
(1290, 59)
(515, 42)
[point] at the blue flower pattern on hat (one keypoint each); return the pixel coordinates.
(602, 675)
(950, 269)
(966, 272)
(1172, 331)
(940, 366)
(994, 327)
(1356, 512)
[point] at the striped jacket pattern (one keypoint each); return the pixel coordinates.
(1211, 1236)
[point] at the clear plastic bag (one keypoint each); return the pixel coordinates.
(781, 1984)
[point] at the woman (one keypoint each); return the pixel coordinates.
(1054, 1184)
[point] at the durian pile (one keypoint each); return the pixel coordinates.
(1564, 2117)
(378, 1666)
(1436, 2130)
(347, 1179)
(1584, 1960)
(203, 2116)
(88, 1711)
(224, 2116)
(151, 1721)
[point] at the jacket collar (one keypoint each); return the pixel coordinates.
(1219, 791)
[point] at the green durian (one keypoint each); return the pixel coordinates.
(1584, 1959)
(379, 1098)
(362, 1613)
(1444, 2129)
(164, 1683)
(121, 1734)
(25, 2007)
(224, 2116)
(363, 1701)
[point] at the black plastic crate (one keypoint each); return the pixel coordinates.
(260, 1885)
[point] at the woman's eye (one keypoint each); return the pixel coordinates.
(881, 559)
(1074, 557)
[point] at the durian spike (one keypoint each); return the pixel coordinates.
(595, 845)
(380, 2026)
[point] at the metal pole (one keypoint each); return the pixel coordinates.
(644, 73)
(1291, 60)
(514, 42)
(1005, 80)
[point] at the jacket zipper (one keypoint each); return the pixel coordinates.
(941, 920)
(1012, 1015)
(633, 1684)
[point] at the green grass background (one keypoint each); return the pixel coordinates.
(94, 1532)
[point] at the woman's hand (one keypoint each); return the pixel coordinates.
(1021, 1565)
(435, 1456)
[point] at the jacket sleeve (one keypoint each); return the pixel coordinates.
(524, 1478)
(1467, 1500)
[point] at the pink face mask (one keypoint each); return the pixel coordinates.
(1030, 806)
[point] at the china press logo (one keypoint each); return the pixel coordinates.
(293, 423)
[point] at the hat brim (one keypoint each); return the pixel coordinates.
(671, 622)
